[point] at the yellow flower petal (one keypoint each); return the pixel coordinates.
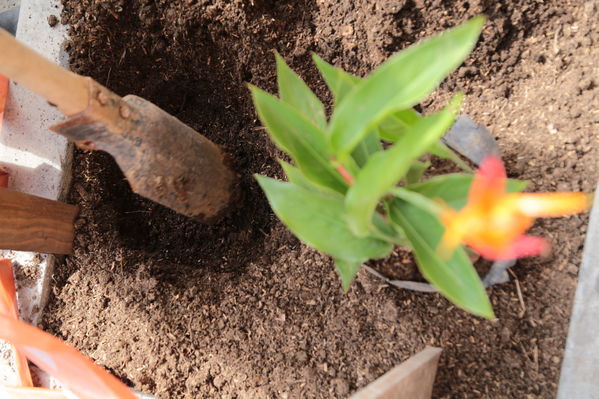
(551, 204)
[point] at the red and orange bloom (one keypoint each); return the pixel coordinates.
(3, 95)
(83, 378)
(493, 222)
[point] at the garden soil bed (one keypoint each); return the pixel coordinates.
(241, 308)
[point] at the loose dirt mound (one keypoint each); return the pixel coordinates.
(241, 308)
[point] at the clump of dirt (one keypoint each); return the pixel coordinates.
(241, 308)
(27, 275)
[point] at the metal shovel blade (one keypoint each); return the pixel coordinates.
(162, 158)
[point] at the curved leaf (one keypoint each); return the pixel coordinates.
(340, 83)
(440, 150)
(347, 271)
(318, 220)
(399, 83)
(453, 188)
(294, 91)
(385, 169)
(455, 277)
(393, 127)
(367, 148)
(416, 171)
(301, 139)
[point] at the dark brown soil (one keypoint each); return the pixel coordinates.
(241, 309)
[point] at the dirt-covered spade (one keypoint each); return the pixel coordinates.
(163, 159)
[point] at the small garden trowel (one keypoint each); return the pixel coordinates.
(162, 158)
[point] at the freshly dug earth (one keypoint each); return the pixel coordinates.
(242, 308)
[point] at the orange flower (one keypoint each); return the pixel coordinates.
(493, 222)
(78, 374)
(3, 95)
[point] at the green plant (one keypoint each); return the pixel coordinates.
(344, 195)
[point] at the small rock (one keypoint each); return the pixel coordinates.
(555, 359)
(389, 311)
(347, 30)
(218, 381)
(340, 387)
(505, 335)
(52, 20)
(572, 269)
(301, 356)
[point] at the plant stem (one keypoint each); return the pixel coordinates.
(418, 200)
(349, 179)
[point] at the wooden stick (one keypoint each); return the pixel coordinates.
(3, 177)
(67, 90)
(30, 223)
(413, 379)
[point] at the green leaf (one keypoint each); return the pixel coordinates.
(340, 83)
(294, 91)
(385, 169)
(400, 83)
(395, 125)
(453, 188)
(416, 171)
(442, 151)
(367, 148)
(455, 277)
(318, 220)
(347, 271)
(295, 176)
(301, 139)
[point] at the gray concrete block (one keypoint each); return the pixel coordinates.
(580, 368)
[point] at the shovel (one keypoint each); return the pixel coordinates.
(162, 158)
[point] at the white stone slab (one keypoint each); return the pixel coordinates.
(38, 160)
(8, 4)
(580, 368)
(34, 156)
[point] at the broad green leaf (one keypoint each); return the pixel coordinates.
(387, 231)
(340, 83)
(301, 139)
(418, 200)
(400, 83)
(416, 171)
(442, 151)
(318, 220)
(367, 148)
(294, 91)
(455, 277)
(385, 169)
(453, 188)
(347, 271)
(395, 125)
(295, 176)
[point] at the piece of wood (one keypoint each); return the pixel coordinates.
(30, 223)
(413, 379)
(61, 87)
(3, 177)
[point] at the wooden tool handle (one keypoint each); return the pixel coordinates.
(67, 90)
(31, 223)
